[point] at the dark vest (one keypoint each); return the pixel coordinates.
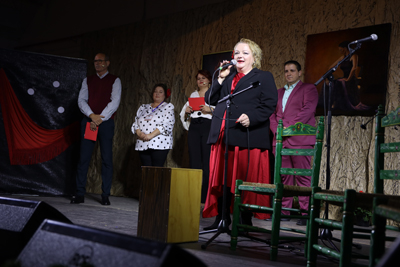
(100, 92)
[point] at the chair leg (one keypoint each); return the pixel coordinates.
(347, 228)
(307, 229)
(377, 247)
(276, 222)
(313, 227)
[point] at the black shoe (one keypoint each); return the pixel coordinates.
(77, 199)
(246, 218)
(302, 222)
(228, 220)
(282, 219)
(105, 201)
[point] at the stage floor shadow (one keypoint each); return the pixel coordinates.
(122, 217)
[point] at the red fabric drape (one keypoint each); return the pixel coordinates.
(29, 143)
(259, 171)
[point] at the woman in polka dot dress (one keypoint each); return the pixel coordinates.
(153, 126)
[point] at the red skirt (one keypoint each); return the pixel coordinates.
(259, 172)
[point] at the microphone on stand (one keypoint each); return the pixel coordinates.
(372, 37)
(233, 62)
(364, 126)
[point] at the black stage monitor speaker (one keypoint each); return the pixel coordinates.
(61, 244)
(19, 219)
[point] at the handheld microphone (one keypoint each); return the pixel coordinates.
(233, 62)
(373, 37)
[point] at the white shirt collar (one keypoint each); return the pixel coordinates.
(102, 76)
(291, 87)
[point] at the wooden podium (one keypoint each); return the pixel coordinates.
(169, 204)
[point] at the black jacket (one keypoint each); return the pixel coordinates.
(257, 103)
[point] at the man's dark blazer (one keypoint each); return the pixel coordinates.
(257, 103)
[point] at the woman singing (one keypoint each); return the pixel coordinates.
(248, 130)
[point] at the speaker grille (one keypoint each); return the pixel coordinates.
(72, 245)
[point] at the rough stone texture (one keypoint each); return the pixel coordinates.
(170, 49)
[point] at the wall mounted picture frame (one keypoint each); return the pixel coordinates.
(360, 95)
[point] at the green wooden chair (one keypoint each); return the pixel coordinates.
(384, 208)
(349, 200)
(380, 174)
(279, 190)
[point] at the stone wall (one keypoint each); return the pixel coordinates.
(170, 49)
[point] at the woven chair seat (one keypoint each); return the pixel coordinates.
(289, 190)
(389, 208)
(293, 190)
(258, 185)
(363, 200)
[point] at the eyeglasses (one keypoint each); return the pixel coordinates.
(99, 60)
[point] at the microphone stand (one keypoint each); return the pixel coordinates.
(223, 227)
(327, 233)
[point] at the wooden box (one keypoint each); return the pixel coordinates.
(169, 204)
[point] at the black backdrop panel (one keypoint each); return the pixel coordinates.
(55, 82)
(72, 245)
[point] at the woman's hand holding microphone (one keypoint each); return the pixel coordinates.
(224, 72)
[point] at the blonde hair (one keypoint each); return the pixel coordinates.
(255, 50)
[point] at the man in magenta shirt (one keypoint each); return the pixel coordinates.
(297, 102)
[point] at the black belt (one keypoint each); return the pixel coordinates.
(198, 120)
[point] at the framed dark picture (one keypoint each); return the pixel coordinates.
(211, 62)
(356, 90)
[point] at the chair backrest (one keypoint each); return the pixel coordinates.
(380, 174)
(299, 129)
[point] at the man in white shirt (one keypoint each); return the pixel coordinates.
(98, 100)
